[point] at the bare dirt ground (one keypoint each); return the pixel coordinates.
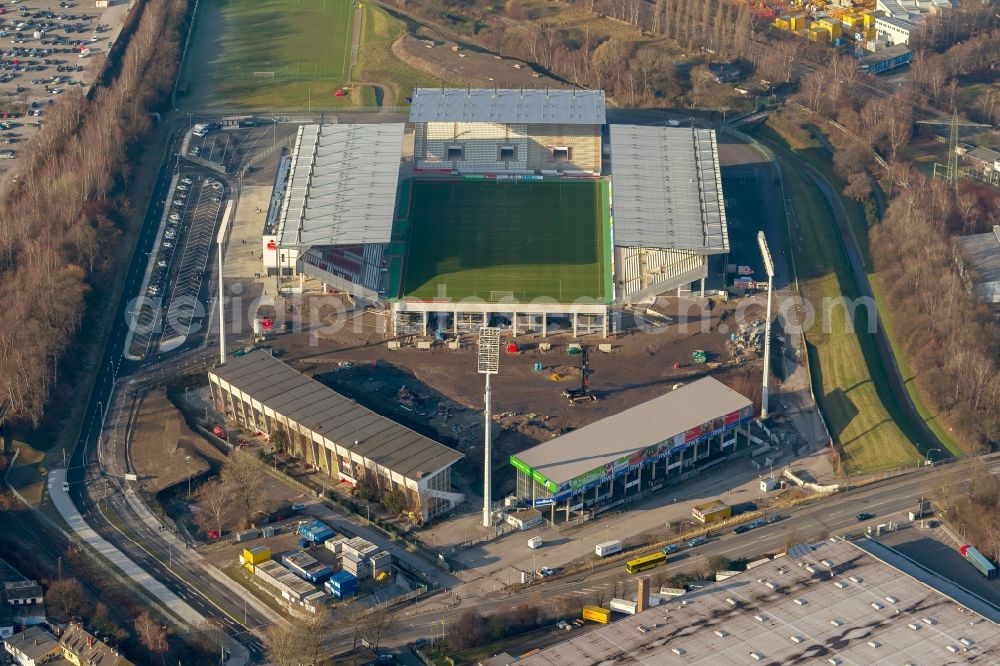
(438, 393)
(447, 60)
(164, 450)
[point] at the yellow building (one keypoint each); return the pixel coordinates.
(711, 512)
(254, 555)
(832, 26)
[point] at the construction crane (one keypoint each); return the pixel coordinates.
(951, 175)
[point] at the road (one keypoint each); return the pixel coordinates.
(85, 471)
(888, 501)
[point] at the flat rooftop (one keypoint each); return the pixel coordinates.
(648, 424)
(342, 185)
(507, 106)
(337, 418)
(835, 603)
(667, 189)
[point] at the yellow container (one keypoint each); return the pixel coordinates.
(797, 22)
(596, 614)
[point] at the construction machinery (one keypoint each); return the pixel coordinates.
(582, 394)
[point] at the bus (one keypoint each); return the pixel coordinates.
(646, 562)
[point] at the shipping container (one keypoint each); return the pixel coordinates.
(623, 606)
(976, 559)
(596, 614)
(608, 548)
(535, 542)
(341, 584)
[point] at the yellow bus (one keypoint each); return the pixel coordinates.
(643, 563)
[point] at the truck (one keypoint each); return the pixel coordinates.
(535, 542)
(596, 614)
(608, 548)
(978, 560)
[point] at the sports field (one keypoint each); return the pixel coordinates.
(270, 55)
(492, 240)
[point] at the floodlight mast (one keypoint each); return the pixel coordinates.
(488, 364)
(765, 254)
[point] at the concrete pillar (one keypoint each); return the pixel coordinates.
(597, 492)
(569, 502)
(423, 322)
(574, 324)
(605, 325)
(513, 323)
(552, 513)
(703, 287)
(545, 325)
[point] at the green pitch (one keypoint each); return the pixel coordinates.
(270, 54)
(491, 240)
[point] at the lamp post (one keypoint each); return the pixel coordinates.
(488, 364)
(765, 254)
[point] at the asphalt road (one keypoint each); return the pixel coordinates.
(84, 473)
(888, 501)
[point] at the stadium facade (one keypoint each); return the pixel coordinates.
(333, 433)
(523, 205)
(636, 452)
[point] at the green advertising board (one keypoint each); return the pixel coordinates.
(538, 477)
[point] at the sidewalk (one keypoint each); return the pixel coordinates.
(62, 502)
(194, 559)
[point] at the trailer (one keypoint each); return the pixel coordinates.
(608, 548)
(978, 560)
(623, 606)
(596, 614)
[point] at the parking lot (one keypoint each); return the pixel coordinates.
(200, 215)
(45, 51)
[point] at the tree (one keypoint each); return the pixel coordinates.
(242, 474)
(376, 623)
(299, 641)
(214, 498)
(152, 635)
(394, 501)
(716, 563)
(470, 629)
(279, 440)
(67, 596)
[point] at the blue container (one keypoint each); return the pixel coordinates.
(342, 584)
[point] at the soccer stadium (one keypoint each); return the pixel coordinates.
(518, 207)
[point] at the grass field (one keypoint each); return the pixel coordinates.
(271, 55)
(491, 240)
(850, 386)
(378, 64)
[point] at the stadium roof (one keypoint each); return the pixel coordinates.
(342, 185)
(578, 452)
(838, 613)
(504, 105)
(334, 416)
(667, 189)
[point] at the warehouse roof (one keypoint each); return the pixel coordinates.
(632, 430)
(983, 252)
(334, 416)
(667, 189)
(479, 105)
(834, 604)
(341, 186)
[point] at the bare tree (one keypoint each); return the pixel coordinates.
(152, 635)
(376, 623)
(67, 596)
(241, 477)
(214, 498)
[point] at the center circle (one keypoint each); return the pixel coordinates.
(504, 239)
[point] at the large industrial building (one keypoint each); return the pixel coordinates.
(635, 452)
(334, 433)
(517, 205)
(835, 602)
